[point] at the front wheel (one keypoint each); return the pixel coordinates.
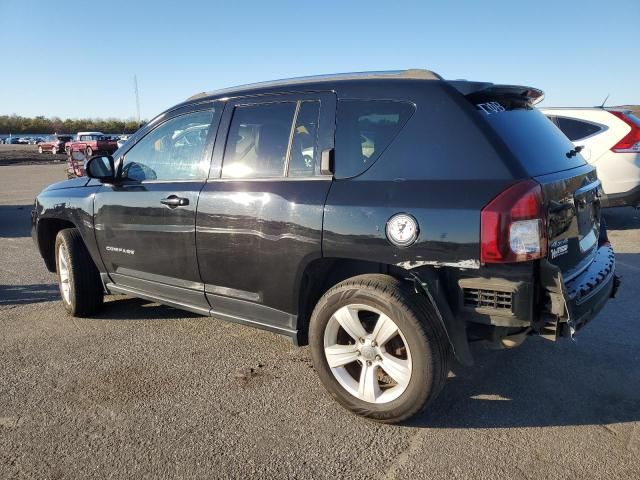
(39, 149)
(89, 152)
(78, 278)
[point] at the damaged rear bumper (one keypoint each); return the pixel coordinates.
(571, 305)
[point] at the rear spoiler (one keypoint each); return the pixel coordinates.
(516, 95)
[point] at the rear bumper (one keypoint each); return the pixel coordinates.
(624, 199)
(588, 293)
(535, 296)
(570, 306)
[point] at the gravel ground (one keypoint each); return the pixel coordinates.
(145, 390)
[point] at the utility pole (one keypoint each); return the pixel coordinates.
(135, 87)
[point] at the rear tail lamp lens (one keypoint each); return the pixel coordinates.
(512, 225)
(630, 143)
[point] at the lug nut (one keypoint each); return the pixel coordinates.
(374, 344)
(361, 340)
(369, 363)
(378, 357)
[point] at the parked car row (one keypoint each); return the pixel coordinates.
(387, 219)
(21, 140)
(89, 143)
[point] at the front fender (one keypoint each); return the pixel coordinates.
(58, 208)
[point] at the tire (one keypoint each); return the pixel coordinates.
(78, 278)
(419, 347)
(39, 149)
(54, 151)
(89, 152)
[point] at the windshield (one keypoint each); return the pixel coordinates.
(538, 144)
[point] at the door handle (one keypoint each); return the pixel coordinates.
(173, 201)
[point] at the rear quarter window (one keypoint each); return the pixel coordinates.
(576, 129)
(536, 142)
(364, 129)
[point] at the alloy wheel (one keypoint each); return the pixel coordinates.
(367, 353)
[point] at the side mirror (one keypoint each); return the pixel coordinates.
(101, 168)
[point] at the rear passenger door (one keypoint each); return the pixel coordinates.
(259, 219)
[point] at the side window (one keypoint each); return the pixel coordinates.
(172, 151)
(304, 160)
(364, 129)
(575, 129)
(258, 140)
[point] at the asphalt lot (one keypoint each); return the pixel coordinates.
(146, 390)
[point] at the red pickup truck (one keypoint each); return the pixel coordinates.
(91, 143)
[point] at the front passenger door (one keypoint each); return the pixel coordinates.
(145, 222)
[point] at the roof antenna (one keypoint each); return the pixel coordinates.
(605, 100)
(135, 89)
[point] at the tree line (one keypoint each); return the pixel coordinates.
(17, 125)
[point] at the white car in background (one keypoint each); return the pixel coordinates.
(122, 139)
(610, 140)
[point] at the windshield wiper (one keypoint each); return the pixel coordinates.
(573, 152)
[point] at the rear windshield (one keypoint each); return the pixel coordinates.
(538, 144)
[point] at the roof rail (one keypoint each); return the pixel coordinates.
(413, 73)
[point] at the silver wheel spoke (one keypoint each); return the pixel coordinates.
(348, 319)
(368, 387)
(396, 368)
(340, 355)
(369, 352)
(63, 270)
(384, 330)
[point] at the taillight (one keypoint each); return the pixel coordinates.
(512, 225)
(631, 141)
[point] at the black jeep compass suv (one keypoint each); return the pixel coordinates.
(386, 218)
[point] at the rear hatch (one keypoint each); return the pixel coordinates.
(541, 151)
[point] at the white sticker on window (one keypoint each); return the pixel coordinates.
(491, 107)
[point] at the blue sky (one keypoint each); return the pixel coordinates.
(78, 58)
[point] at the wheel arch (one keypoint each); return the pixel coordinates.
(47, 231)
(323, 273)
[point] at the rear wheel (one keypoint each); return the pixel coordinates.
(39, 149)
(78, 278)
(54, 151)
(378, 347)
